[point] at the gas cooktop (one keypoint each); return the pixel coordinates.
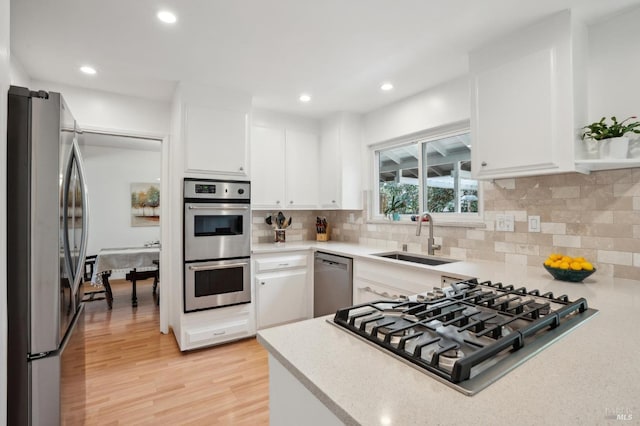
(467, 335)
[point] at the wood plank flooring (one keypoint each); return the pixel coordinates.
(135, 375)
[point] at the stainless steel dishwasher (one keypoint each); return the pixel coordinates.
(332, 283)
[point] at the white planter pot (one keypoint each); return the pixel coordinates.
(614, 148)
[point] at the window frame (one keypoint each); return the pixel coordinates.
(421, 139)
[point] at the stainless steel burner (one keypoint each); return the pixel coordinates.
(468, 335)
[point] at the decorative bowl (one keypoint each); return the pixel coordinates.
(568, 274)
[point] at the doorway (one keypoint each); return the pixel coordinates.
(124, 181)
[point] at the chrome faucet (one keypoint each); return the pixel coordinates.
(431, 247)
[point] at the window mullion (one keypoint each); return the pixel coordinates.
(422, 178)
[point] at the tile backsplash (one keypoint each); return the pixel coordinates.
(596, 216)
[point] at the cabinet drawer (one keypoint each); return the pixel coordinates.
(215, 334)
(279, 263)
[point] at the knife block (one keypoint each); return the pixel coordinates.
(280, 236)
(325, 236)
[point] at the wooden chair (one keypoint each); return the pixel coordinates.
(135, 275)
(89, 265)
(156, 282)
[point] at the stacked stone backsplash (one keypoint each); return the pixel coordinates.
(596, 216)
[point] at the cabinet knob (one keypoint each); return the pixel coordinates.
(291, 202)
(241, 168)
(333, 201)
(484, 163)
(261, 282)
(277, 201)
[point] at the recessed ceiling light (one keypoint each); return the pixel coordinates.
(386, 86)
(305, 98)
(167, 17)
(88, 70)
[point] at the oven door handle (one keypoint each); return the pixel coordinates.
(212, 267)
(192, 207)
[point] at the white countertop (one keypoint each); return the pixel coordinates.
(584, 378)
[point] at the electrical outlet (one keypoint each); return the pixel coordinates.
(509, 222)
(504, 222)
(534, 223)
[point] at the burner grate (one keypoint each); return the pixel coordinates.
(459, 334)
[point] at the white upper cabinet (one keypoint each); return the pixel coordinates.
(215, 140)
(267, 167)
(284, 166)
(301, 162)
(528, 100)
(340, 158)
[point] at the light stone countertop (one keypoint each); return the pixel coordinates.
(585, 378)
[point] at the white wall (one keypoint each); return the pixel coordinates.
(441, 105)
(110, 171)
(19, 76)
(5, 73)
(614, 67)
(275, 119)
(98, 110)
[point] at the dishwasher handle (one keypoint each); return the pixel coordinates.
(330, 264)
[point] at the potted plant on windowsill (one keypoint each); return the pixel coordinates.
(610, 138)
(394, 207)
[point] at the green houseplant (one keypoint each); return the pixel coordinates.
(610, 138)
(394, 206)
(601, 130)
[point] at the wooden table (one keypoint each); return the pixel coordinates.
(136, 259)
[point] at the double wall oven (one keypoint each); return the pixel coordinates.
(217, 243)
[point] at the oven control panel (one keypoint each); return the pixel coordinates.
(217, 190)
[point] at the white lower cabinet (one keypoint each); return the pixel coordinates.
(282, 289)
(375, 280)
(365, 291)
(291, 403)
(223, 332)
(216, 326)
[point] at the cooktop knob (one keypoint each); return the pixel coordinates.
(240, 191)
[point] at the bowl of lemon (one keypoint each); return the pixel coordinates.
(565, 268)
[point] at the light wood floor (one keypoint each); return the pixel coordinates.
(136, 375)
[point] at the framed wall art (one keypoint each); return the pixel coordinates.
(145, 204)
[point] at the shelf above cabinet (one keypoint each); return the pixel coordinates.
(587, 166)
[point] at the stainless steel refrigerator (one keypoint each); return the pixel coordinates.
(47, 218)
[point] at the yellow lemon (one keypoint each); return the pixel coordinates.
(564, 265)
(548, 262)
(556, 264)
(587, 266)
(566, 259)
(576, 266)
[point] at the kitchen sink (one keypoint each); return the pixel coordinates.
(414, 258)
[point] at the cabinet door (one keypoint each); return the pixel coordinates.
(282, 297)
(215, 140)
(301, 169)
(330, 172)
(513, 126)
(267, 167)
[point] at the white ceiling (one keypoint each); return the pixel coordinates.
(339, 51)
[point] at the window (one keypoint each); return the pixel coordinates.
(432, 174)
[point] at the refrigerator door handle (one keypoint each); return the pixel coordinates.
(75, 274)
(85, 217)
(68, 265)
